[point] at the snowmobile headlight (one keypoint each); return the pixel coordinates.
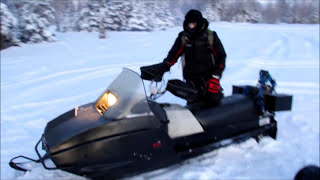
(107, 100)
(112, 99)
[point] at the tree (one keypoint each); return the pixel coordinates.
(137, 18)
(176, 11)
(65, 14)
(249, 11)
(88, 19)
(305, 12)
(270, 14)
(102, 29)
(315, 12)
(34, 20)
(285, 11)
(8, 24)
(214, 10)
(117, 15)
(160, 16)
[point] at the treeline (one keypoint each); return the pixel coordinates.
(32, 20)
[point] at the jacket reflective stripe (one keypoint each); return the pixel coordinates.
(177, 56)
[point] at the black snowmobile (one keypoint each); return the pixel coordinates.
(124, 132)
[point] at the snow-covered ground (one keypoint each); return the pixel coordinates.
(41, 81)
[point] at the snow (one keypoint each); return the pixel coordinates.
(41, 81)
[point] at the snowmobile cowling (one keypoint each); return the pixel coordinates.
(135, 134)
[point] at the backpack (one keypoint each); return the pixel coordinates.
(185, 38)
(210, 38)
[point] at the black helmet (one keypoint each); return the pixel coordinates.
(194, 16)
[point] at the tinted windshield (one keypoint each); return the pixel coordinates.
(131, 97)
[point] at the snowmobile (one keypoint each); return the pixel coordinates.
(124, 132)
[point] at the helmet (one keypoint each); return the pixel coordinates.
(191, 17)
(194, 16)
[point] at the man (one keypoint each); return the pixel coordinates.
(203, 58)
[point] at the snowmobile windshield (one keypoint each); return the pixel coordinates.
(129, 97)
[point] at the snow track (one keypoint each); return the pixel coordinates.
(41, 81)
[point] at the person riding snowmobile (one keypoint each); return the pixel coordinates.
(203, 59)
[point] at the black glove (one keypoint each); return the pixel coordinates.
(154, 72)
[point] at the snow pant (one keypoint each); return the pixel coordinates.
(194, 91)
(203, 94)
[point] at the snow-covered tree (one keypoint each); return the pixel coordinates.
(34, 21)
(214, 10)
(249, 12)
(160, 16)
(133, 15)
(176, 12)
(230, 9)
(270, 14)
(34, 17)
(241, 11)
(285, 11)
(8, 26)
(88, 19)
(305, 12)
(65, 14)
(137, 18)
(315, 15)
(102, 10)
(315, 12)
(117, 15)
(90, 16)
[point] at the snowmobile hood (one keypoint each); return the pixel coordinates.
(72, 123)
(68, 131)
(130, 113)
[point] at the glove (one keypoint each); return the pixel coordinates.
(154, 72)
(213, 85)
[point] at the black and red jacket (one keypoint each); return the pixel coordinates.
(198, 54)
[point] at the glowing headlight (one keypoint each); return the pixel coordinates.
(105, 101)
(112, 99)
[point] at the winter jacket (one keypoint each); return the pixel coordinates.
(198, 54)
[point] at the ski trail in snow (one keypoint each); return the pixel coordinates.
(73, 72)
(53, 102)
(278, 47)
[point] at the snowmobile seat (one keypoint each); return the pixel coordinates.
(235, 109)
